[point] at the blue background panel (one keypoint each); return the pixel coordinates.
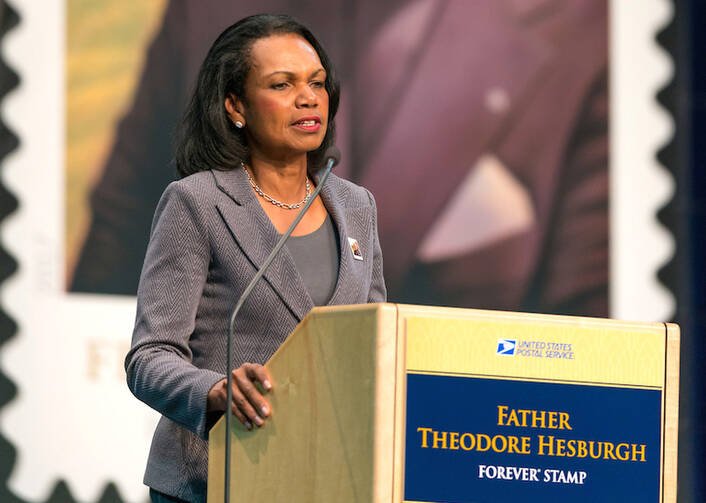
(464, 404)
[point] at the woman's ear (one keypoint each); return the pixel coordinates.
(234, 107)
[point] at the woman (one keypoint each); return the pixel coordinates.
(248, 149)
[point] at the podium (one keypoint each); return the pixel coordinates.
(398, 403)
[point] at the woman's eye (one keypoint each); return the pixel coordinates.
(279, 85)
(318, 83)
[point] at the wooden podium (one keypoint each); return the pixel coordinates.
(397, 403)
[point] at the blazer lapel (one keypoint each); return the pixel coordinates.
(257, 237)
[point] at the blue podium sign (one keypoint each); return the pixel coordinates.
(487, 440)
(546, 409)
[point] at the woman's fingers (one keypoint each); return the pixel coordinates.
(251, 406)
(241, 417)
(243, 410)
(259, 373)
(248, 398)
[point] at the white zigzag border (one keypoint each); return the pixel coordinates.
(64, 425)
(640, 186)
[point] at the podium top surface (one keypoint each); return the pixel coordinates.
(410, 310)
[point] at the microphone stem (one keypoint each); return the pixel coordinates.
(229, 377)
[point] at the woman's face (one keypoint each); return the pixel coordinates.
(285, 110)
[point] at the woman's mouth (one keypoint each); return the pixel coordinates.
(310, 125)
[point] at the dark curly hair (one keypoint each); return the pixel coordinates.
(206, 137)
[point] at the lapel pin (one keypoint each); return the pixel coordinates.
(355, 248)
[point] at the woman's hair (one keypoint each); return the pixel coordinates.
(206, 138)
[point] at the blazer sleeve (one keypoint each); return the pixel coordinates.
(159, 364)
(378, 291)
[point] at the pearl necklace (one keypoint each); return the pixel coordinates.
(272, 199)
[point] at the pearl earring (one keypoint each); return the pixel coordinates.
(239, 124)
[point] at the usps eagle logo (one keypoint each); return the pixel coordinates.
(506, 347)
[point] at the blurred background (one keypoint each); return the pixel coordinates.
(525, 155)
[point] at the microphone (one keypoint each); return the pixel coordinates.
(331, 157)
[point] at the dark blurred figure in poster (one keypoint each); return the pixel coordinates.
(481, 128)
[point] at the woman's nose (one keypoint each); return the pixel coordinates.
(307, 97)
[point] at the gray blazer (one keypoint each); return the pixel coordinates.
(209, 236)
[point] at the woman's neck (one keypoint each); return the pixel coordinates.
(283, 180)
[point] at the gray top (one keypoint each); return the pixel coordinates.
(316, 258)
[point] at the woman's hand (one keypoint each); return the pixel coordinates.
(249, 406)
